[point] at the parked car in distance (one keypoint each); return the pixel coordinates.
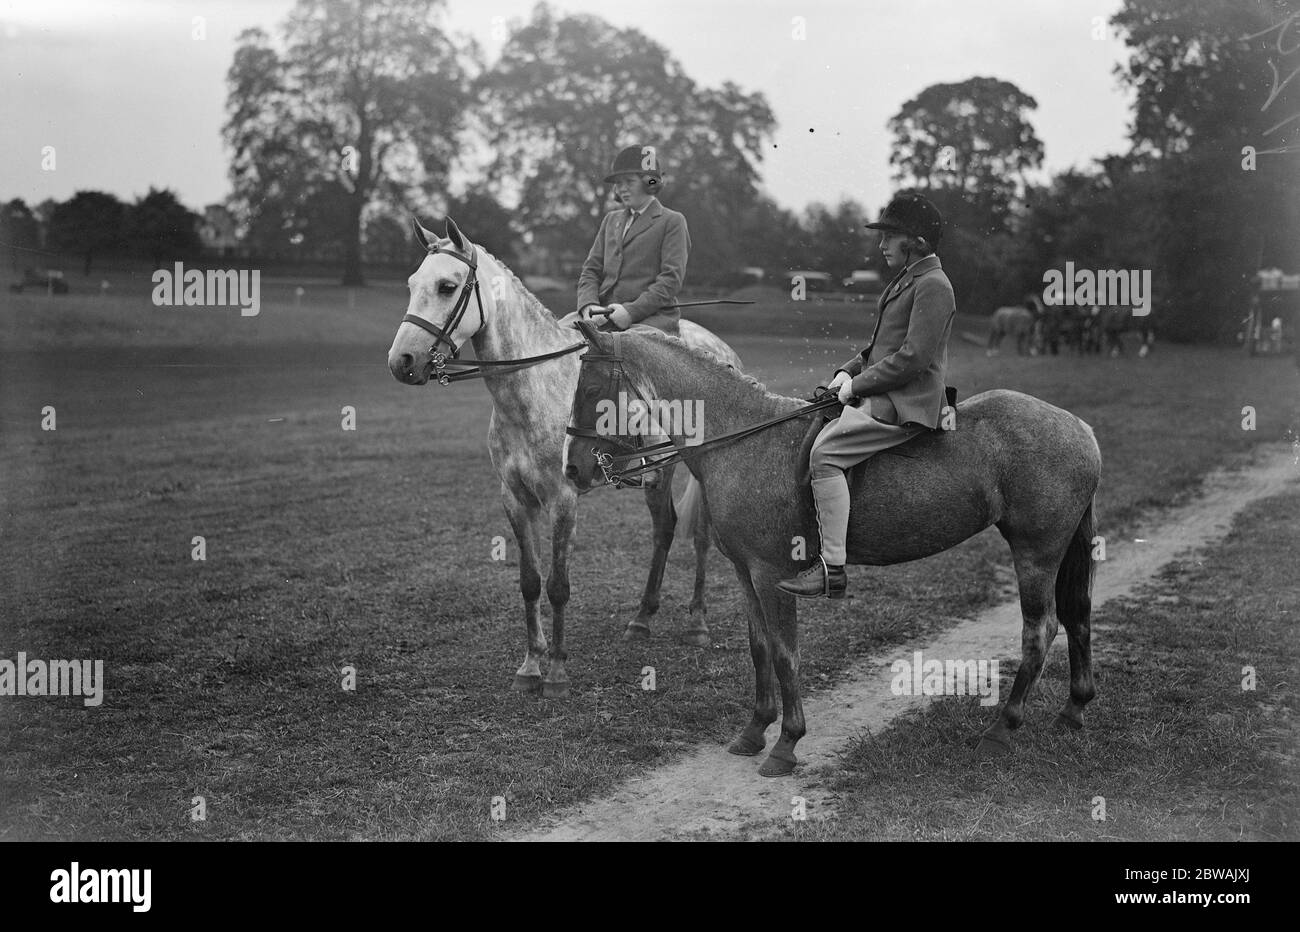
(44, 279)
(813, 281)
(864, 281)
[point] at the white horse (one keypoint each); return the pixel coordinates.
(461, 294)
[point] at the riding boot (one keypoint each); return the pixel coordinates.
(826, 576)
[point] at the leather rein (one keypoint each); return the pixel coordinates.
(448, 372)
(668, 452)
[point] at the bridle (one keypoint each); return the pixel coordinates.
(636, 450)
(447, 372)
(612, 466)
(444, 333)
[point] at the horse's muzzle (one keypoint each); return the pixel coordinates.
(407, 371)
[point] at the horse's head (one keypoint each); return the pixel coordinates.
(586, 444)
(612, 414)
(445, 309)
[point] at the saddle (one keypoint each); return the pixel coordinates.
(815, 428)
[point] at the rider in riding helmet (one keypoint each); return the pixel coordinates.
(638, 261)
(898, 381)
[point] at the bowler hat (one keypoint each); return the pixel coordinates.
(635, 160)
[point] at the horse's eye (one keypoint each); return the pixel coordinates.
(447, 288)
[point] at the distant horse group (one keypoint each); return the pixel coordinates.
(1040, 329)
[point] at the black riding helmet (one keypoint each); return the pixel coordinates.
(914, 215)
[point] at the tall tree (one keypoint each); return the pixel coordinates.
(569, 92)
(19, 232)
(1217, 122)
(973, 138)
(88, 224)
(159, 226)
(838, 239)
(363, 103)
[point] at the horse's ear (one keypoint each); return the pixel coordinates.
(423, 235)
(457, 238)
(588, 331)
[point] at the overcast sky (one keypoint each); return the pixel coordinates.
(129, 99)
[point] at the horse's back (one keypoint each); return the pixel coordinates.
(1012, 319)
(701, 338)
(1010, 455)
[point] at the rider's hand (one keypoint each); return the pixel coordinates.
(846, 392)
(620, 318)
(838, 379)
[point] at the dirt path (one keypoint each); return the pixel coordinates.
(715, 793)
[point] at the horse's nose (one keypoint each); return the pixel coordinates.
(400, 365)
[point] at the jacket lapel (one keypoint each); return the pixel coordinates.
(906, 277)
(652, 212)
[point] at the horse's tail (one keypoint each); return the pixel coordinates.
(688, 508)
(1074, 578)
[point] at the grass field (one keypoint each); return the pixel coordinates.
(372, 548)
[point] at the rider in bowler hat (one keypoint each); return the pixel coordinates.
(638, 261)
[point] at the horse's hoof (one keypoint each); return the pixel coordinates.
(991, 748)
(744, 747)
(698, 637)
(526, 684)
(1065, 720)
(636, 631)
(777, 766)
(555, 690)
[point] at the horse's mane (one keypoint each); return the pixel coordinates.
(711, 361)
(531, 301)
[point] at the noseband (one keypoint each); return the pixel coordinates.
(444, 333)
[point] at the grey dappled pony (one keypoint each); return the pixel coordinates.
(1015, 321)
(530, 408)
(1013, 461)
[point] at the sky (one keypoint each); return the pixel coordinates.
(129, 98)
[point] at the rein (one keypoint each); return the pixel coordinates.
(611, 465)
(448, 372)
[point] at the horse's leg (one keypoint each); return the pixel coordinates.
(1036, 570)
(750, 741)
(698, 633)
(782, 621)
(523, 521)
(564, 513)
(663, 516)
(1074, 609)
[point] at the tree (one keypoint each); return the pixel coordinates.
(19, 232)
(89, 224)
(972, 138)
(1215, 125)
(569, 92)
(492, 224)
(363, 105)
(838, 240)
(161, 227)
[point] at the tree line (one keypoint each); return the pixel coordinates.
(357, 114)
